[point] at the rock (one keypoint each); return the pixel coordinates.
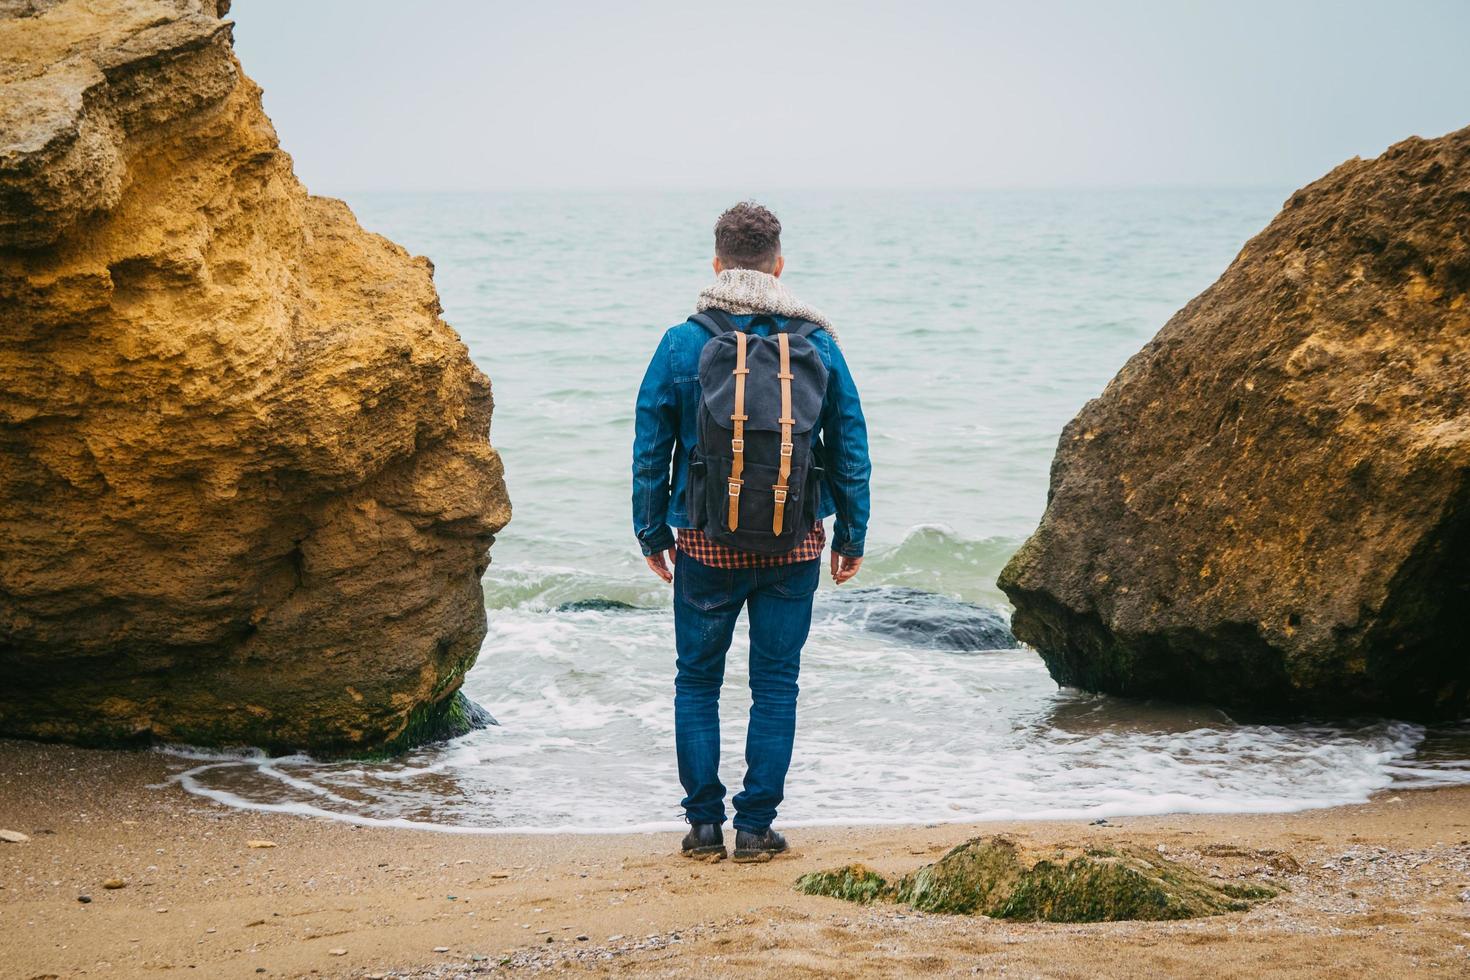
(112, 884)
(339, 951)
(920, 618)
(13, 837)
(1008, 879)
(1269, 507)
(597, 604)
(260, 843)
(248, 490)
(854, 883)
(85, 899)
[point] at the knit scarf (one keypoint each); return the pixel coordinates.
(749, 291)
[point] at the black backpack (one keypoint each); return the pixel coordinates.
(753, 478)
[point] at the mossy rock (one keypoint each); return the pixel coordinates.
(439, 721)
(855, 883)
(1006, 879)
(596, 604)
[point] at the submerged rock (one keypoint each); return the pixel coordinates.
(921, 618)
(1006, 879)
(248, 489)
(597, 604)
(1269, 507)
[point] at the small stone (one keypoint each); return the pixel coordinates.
(13, 837)
(260, 843)
(441, 949)
(339, 951)
(114, 883)
(160, 910)
(84, 899)
(583, 938)
(1465, 895)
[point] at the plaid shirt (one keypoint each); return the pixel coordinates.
(698, 546)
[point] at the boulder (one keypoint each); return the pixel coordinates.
(1269, 507)
(1008, 878)
(918, 618)
(247, 489)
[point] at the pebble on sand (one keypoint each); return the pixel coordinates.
(339, 951)
(113, 884)
(260, 843)
(13, 837)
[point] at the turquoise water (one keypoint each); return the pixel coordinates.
(977, 324)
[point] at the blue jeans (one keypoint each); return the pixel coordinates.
(707, 602)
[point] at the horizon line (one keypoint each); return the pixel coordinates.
(847, 189)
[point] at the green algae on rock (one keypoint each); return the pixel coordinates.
(854, 883)
(1007, 879)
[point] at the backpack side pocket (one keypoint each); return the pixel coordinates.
(694, 490)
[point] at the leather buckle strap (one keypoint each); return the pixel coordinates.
(783, 475)
(737, 439)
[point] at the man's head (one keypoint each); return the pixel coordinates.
(748, 236)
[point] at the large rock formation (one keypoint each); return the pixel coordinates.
(1269, 506)
(247, 488)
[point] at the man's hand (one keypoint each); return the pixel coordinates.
(843, 567)
(662, 568)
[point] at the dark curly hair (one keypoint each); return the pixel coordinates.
(748, 236)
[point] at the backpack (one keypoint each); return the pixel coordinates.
(753, 477)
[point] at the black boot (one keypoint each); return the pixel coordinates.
(705, 841)
(758, 847)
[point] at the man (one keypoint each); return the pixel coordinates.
(712, 579)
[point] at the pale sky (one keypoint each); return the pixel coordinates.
(486, 95)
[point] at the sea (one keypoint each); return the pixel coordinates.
(976, 323)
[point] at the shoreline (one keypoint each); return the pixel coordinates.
(979, 820)
(1377, 888)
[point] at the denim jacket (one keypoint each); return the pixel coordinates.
(666, 426)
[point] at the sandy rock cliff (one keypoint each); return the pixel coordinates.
(247, 489)
(1269, 506)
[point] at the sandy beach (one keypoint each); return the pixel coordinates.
(1379, 889)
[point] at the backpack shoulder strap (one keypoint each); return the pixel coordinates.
(715, 321)
(801, 328)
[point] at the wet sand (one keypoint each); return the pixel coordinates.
(1382, 889)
